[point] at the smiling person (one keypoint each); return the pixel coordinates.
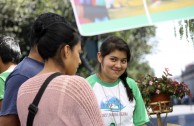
(67, 100)
(118, 96)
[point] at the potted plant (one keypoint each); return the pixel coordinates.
(151, 86)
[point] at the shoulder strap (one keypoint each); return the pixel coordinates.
(33, 107)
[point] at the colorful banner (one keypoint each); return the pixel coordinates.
(95, 17)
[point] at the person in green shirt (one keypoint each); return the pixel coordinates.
(118, 95)
(9, 57)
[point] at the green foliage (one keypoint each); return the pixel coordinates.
(17, 16)
(186, 28)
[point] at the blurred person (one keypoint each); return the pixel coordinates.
(68, 99)
(27, 68)
(9, 57)
(118, 95)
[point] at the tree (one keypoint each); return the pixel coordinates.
(186, 29)
(17, 16)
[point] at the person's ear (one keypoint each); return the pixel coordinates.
(99, 56)
(66, 51)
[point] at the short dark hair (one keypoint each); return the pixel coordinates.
(50, 31)
(9, 49)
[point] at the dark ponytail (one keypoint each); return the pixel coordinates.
(123, 77)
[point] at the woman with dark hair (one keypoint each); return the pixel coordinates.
(67, 100)
(119, 97)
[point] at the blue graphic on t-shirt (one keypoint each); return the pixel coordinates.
(111, 104)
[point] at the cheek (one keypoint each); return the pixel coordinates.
(76, 60)
(107, 64)
(78, 57)
(124, 66)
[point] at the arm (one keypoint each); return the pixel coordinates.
(9, 120)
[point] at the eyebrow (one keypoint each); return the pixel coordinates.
(117, 57)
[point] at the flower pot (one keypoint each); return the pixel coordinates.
(160, 103)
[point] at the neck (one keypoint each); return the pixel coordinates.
(35, 55)
(105, 79)
(7, 66)
(51, 66)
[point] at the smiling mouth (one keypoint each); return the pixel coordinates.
(117, 71)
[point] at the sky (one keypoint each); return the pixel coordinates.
(171, 52)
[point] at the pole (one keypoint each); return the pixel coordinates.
(159, 119)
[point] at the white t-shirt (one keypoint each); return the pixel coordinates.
(115, 105)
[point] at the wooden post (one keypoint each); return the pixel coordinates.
(159, 119)
(162, 107)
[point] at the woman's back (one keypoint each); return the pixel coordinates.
(67, 101)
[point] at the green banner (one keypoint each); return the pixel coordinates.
(95, 17)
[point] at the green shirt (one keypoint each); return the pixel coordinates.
(3, 77)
